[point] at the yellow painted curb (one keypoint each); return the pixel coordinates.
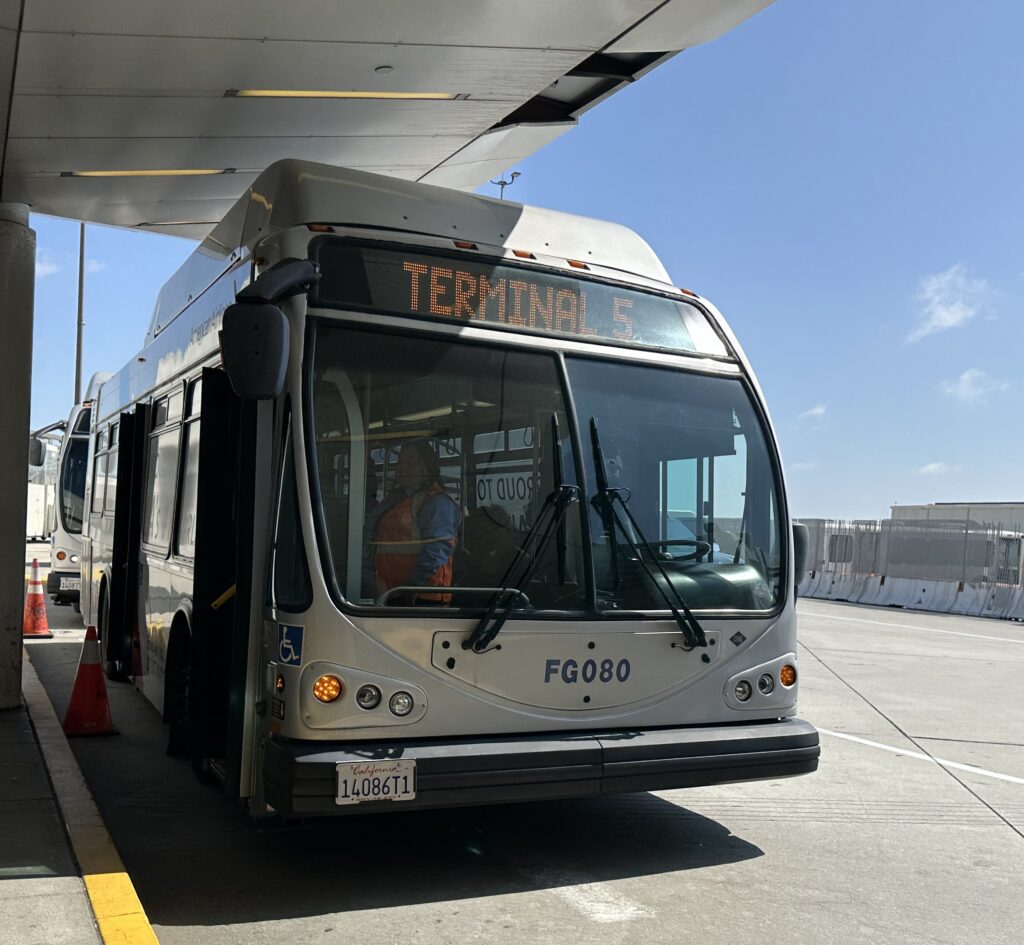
(115, 904)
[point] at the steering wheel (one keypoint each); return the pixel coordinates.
(699, 547)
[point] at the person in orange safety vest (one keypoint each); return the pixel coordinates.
(416, 527)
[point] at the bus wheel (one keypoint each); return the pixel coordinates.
(176, 691)
(203, 771)
(113, 669)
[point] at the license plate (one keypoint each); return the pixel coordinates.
(376, 781)
(71, 584)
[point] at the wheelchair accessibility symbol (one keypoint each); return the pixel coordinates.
(289, 645)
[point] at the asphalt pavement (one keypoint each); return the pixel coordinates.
(885, 844)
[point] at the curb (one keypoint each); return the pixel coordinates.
(120, 918)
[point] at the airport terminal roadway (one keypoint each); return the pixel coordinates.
(885, 844)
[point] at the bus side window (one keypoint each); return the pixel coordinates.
(99, 472)
(190, 477)
(174, 405)
(161, 479)
(110, 501)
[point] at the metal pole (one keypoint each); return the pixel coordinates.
(17, 281)
(81, 321)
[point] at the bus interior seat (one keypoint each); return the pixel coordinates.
(489, 542)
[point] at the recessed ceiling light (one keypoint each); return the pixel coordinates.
(326, 93)
(152, 172)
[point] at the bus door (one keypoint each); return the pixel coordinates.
(119, 612)
(223, 578)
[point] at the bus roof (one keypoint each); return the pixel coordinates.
(95, 383)
(293, 193)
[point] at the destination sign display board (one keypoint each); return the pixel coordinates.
(491, 294)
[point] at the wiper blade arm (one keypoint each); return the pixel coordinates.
(556, 505)
(556, 455)
(600, 501)
(610, 500)
(551, 514)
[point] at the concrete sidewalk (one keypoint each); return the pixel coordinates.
(43, 900)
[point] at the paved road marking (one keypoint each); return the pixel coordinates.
(593, 900)
(908, 626)
(972, 769)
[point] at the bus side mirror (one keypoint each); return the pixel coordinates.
(254, 346)
(801, 539)
(254, 332)
(36, 451)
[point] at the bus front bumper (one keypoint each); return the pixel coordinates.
(300, 776)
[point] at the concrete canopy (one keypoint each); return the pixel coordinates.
(118, 85)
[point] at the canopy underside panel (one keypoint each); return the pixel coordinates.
(448, 91)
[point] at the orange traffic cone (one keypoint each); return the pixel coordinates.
(89, 711)
(35, 624)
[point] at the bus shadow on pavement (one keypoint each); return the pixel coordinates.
(197, 860)
(419, 857)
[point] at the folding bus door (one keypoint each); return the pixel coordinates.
(121, 644)
(223, 578)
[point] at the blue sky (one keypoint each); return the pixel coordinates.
(842, 179)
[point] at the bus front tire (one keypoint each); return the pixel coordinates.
(176, 691)
(114, 669)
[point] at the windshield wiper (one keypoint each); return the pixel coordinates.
(548, 522)
(608, 501)
(742, 537)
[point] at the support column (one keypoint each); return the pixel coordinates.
(17, 293)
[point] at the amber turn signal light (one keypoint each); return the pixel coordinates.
(328, 688)
(787, 675)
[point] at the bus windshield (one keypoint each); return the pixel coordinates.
(72, 484)
(688, 453)
(434, 459)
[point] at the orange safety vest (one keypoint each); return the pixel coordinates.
(398, 542)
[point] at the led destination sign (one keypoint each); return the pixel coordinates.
(507, 296)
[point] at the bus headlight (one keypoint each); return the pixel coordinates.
(368, 697)
(328, 688)
(401, 703)
(743, 690)
(73, 559)
(766, 684)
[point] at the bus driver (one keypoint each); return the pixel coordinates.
(414, 532)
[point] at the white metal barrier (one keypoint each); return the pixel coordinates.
(949, 597)
(848, 561)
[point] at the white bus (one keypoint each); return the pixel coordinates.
(459, 501)
(38, 513)
(64, 578)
